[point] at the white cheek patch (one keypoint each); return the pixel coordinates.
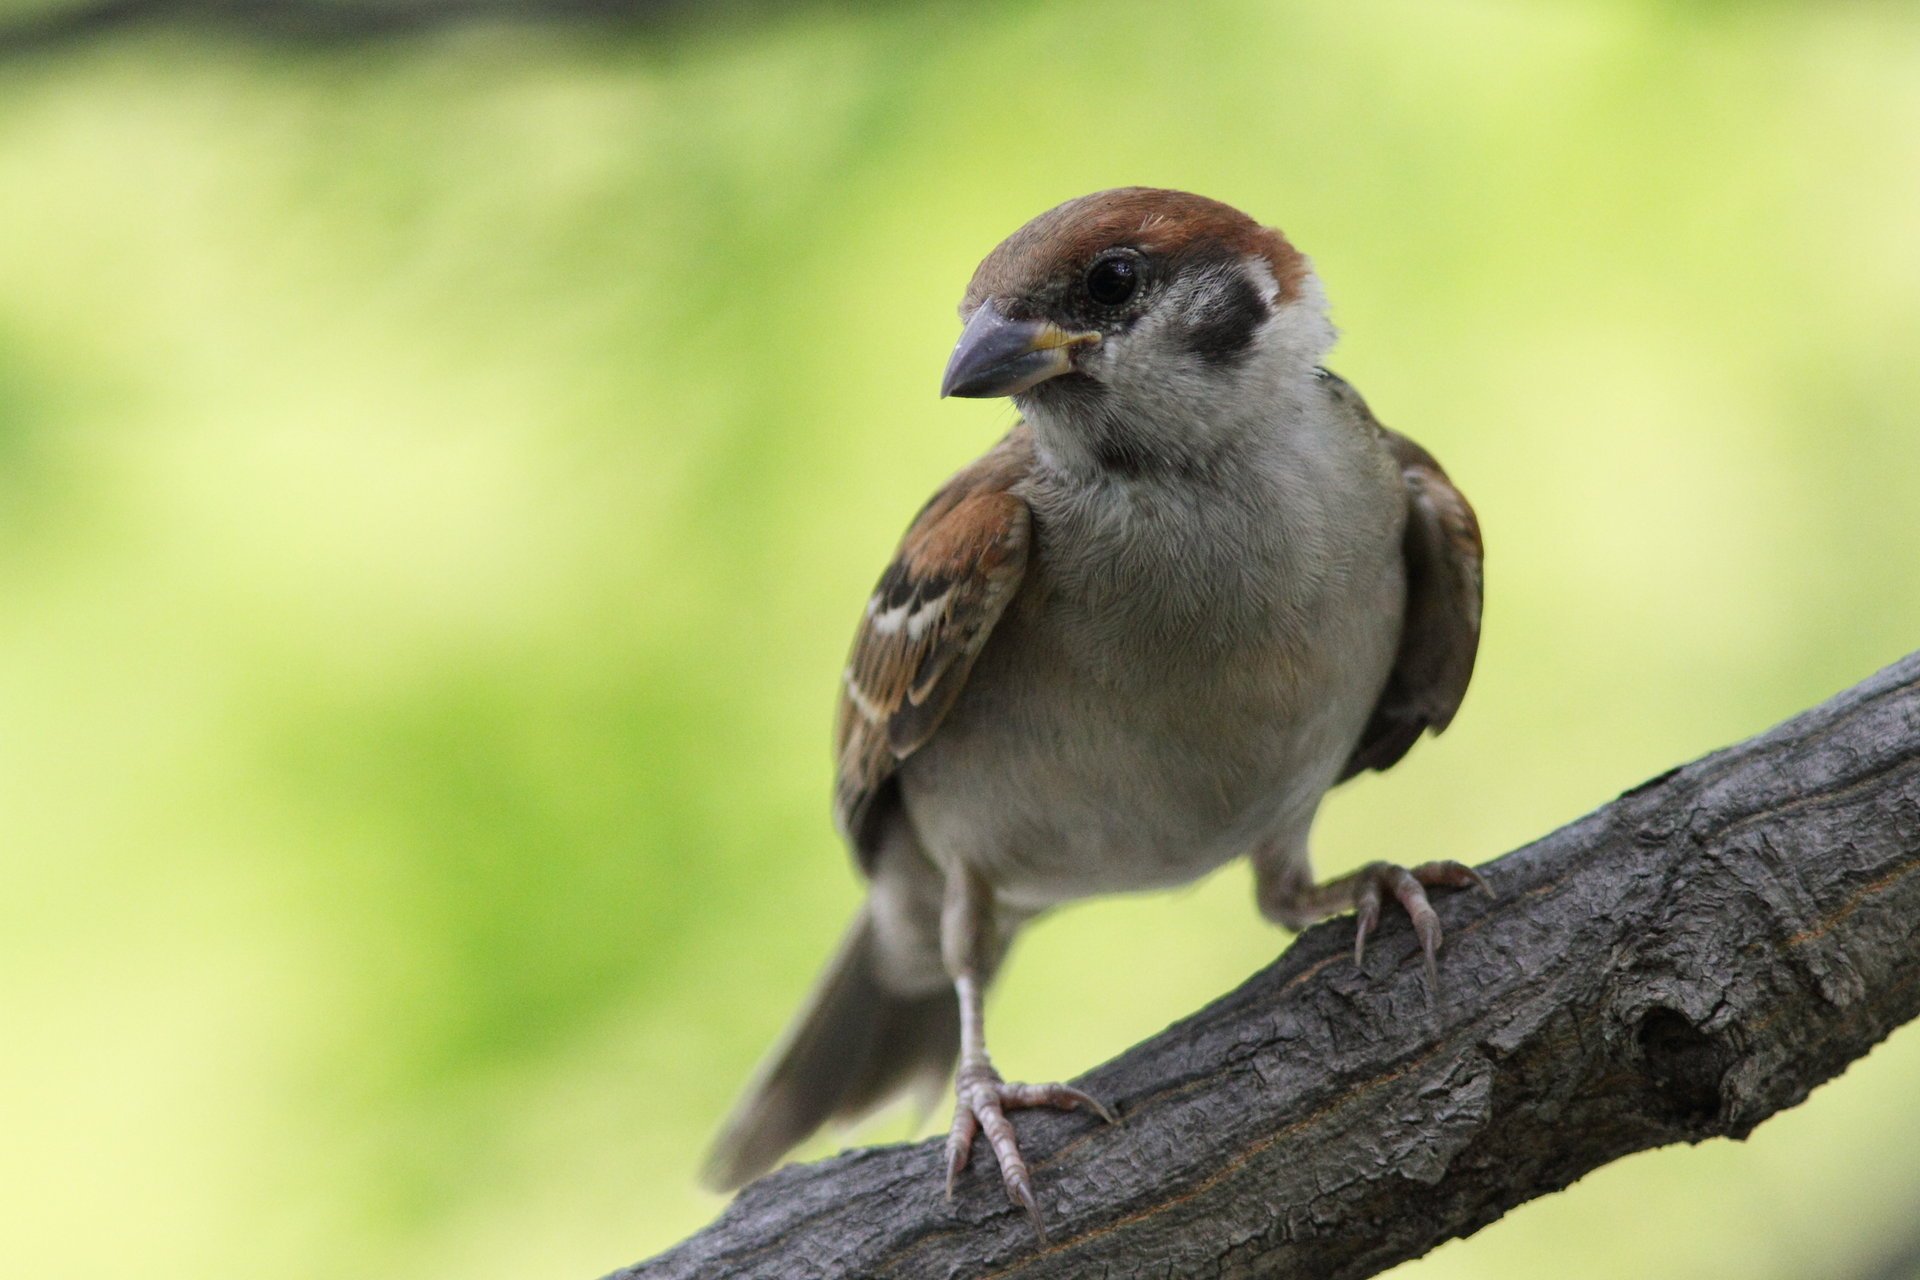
(1299, 335)
(1164, 398)
(1262, 276)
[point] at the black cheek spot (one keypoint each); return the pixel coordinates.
(1223, 332)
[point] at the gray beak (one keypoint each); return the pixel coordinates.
(1000, 357)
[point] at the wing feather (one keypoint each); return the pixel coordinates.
(960, 564)
(1440, 632)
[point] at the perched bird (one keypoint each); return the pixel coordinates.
(1196, 587)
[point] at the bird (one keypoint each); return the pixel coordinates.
(1196, 586)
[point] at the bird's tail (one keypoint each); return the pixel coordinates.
(855, 1045)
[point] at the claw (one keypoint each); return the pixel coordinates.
(1409, 887)
(960, 1144)
(981, 1104)
(1098, 1108)
(1452, 875)
(1366, 915)
(1063, 1096)
(1020, 1191)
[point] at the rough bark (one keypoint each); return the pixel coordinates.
(1676, 966)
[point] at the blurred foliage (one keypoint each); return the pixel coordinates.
(437, 481)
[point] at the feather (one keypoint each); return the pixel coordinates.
(958, 567)
(1440, 629)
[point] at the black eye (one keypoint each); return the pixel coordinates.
(1111, 281)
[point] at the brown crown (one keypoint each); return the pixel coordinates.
(1064, 239)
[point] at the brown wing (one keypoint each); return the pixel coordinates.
(958, 567)
(1441, 631)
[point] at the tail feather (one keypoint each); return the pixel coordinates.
(854, 1046)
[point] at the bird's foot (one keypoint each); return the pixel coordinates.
(1408, 885)
(982, 1100)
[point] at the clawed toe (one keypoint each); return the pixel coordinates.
(1409, 888)
(1061, 1096)
(982, 1100)
(1451, 875)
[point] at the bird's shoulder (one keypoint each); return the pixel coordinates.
(957, 568)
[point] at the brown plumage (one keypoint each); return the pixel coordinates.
(952, 576)
(1440, 631)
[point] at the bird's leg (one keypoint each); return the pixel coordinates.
(981, 1098)
(1288, 896)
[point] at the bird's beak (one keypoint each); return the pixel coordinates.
(1000, 357)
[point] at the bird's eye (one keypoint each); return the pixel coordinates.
(1112, 280)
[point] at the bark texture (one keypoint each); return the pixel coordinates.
(1678, 965)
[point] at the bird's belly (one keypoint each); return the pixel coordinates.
(1048, 830)
(1056, 783)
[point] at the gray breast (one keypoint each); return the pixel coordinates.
(1183, 670)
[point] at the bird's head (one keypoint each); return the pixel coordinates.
(1139, 326)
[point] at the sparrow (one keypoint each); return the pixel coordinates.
(1194, 588)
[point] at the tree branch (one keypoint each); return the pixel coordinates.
(1678, 965)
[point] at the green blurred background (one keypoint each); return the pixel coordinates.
(438, 477)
